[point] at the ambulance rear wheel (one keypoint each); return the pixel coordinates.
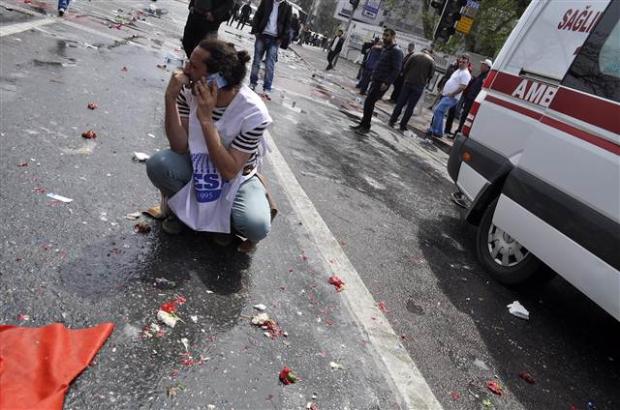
(509, 262)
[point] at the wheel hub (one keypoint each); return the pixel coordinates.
(504, 249)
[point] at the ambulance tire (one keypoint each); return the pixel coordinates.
(529, 269)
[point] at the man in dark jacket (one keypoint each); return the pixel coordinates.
(417, 73)
(271, 26)
(398, 84)
(335, 49)
(372, 58)
(203, 21)
(472, 90)
(244, 15)
(385, 73)
(233, 13)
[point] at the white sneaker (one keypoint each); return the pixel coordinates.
(61, 12)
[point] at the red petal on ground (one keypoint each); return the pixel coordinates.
(89, 135)
(181, 299)
(92, 105)
(169, 306)
(284, 375)
(495, 387)
(382, 307)
(455, 395)
(22, 164)
(337, 282)
(527, 377)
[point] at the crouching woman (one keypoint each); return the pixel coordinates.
(215, 126)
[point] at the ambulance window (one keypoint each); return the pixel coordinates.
(596, 68)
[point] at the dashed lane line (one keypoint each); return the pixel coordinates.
(401, 373)
(21, 27)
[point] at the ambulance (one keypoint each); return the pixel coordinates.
(538, 158)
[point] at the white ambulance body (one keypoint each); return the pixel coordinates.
(539, 154)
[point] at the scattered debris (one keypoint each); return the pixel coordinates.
(22, 164)
(260, 307)
(92, 106)
(133, 216)
(60, 198)
(487, 404)
(312, 406)
(495, 387)
(382, 307)
(142, 227)
(185, 343)
(481, 365)
(335, 366)
(287, 376)
(455, 395)
(163, 283)
(162, 66)
(194, 318)
(527, 377)
(124, 69)
(151, 135)
(517, 309)
(173, 390)
(153, 330)
(23, 318)
(140, 156)
(172, 305)
(154, 212)
(271, 327)
(89, 135)
(260, 319)
(337, 282)
(169, 319)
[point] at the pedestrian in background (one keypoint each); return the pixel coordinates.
(386, 71)
(472, 91)
(244, 16)
(442, 81)
(399, 81)
(334, 49)
(372, 58)
(203, 21)
(271, 26)
(295, 27)
(233, 13)
(63, 5)
(365, 48)
(418, 72)
(450, 96)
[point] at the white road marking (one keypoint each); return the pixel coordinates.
(21, 27)
(403, 376)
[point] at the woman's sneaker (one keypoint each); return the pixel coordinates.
(172, 225)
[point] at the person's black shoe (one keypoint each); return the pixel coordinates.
(391, 123)
(360, 128)
(403, 129)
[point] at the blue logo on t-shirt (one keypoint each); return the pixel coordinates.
(207, 180)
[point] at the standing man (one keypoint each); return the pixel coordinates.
(244, 16)
(233, 13)
(372, 58)
(398, 84)
(385, 73)
(450, 96)
(418, 73)
(203, 21)
(271, 26)
(474, 87)
(334, 49)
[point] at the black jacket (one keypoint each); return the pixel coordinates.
(246, 10)
(261, 18)
(338, 45)
(474, 86)
(419, 70)
(220, 9)
(389, 65)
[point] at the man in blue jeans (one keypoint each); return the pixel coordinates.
(271, 26)
(451, 93)
(418, 71)
(63, 5)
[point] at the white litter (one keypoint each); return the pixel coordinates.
(168, 319)
(140, 156)
(60, 198)
(194, 318)
(260, 319)
(260, 307)
(133, 216)
(335, 366)
(151, 135)
(185, 343)
(517, 309)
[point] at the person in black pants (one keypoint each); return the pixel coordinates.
(398, 84)
(335, 49)
(386, 71)
(204, 19)
(472, 90)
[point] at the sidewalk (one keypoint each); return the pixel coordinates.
(344, 75)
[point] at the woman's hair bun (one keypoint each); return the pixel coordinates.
(243, 56)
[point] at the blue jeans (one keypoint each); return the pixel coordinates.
(250, 216)
(264, 45)
(409, 95)
(63, 4)
(440, 110)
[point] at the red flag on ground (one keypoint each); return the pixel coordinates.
(38, 364)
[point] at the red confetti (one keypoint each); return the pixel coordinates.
(89, 135)
(22, 317)
(527, 377)
(39, 190)
(171, 306)
(23, 164)
(382, 307)
(272, 327)
(495, 387)
(92, 106)
(287, 376)
(455, 395)
(313, 406)
(337, 282)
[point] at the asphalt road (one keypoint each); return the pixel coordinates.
(383, 198)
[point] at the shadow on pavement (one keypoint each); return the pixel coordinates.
(568, 341)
